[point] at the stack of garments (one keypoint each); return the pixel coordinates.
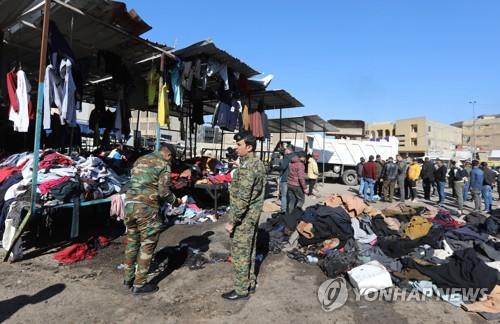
(418, 246)
(61, 179)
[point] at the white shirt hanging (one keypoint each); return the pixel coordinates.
(52, 93)
(21, 118)
(68, 109)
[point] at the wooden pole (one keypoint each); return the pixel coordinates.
(38, 125)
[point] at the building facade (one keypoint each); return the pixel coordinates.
(419, 136)
(487, 133)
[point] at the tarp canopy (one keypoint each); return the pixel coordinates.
(307, 124)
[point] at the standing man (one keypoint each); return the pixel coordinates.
(476, 184)
(247, 198)
(378, 185)
(149, 189)
(370, 175)
(296, 182)
(389, 177)
(457, 175)
(467, 172)
(413, 175)
(285, 163)
(427, 177)
(312, 172)
(488, 184)
(440, 176)
(402, 169)
(498, 181)
(359, 172)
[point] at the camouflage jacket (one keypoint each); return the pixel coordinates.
(247, 190)
(150, 181)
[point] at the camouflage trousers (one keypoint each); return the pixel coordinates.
(243, 249)
(143, 231)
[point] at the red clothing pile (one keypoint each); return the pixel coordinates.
(54, 159)
(220, 178)
(10, 170)
(47, 185)
(81, 251)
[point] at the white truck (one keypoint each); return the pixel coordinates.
(341, 155)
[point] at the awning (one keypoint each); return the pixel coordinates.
(207, 49)
(307, 124)
(10, 10)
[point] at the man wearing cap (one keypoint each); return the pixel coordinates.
(246, 200)
(149, 190)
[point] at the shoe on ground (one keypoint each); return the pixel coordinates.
(252, 290)
(233, 295)
(146, 289)
(128, 284)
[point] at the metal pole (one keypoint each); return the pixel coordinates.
(474, 128)
(306, 144)
(281, 111)
(38, 128)
(136, 138)
(323, 154)
(221, 145)
(195, 138)
(262, 150)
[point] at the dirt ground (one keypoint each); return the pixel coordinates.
(39, 290)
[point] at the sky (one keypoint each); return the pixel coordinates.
(374, 60)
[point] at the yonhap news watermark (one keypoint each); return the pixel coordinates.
(334, 293)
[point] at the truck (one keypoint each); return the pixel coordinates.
(340, 156)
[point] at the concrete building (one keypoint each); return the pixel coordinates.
(348, 129)
(487, 133)
(419, 136)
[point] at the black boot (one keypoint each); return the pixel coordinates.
(128, 284)
(146, 289)
(233, 295)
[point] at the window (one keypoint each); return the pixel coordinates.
(394, 132)
(429, 142)
(380, 133)
(429, 129)
(414, 142)
(414, 128)
(387, 133)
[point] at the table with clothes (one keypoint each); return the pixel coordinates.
(63, 182)
(410, 246)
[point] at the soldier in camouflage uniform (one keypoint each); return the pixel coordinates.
(247, 199)
(149, 189)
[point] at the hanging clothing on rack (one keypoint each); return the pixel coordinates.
(175, 79)
(163, 108)
(245, 118)
(21, 118)
(68, 106)
(52, 93)
(11, 89)
(214, 67)
(187, 75)
(265, 127)
(256, 124)
(152, 79)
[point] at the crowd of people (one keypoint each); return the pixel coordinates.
(468, 180)
(295, 182)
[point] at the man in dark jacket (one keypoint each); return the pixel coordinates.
(427, 177)
(379, 166)
(296, 182)
(440, 177)
(488, 184)
(389, 177)
(370, 175)
(402, 168)
(359, 172)
(283, 168)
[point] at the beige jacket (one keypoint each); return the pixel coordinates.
(312, 169)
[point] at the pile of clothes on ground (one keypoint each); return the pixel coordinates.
(188, 212)
(411, 247)
(61, 179)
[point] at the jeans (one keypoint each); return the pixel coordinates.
(412, 184)
(283, 193)
(487, 196)
(476, 196)
(389, 189)
(440, 187)
(311, 183)
(401, 184)
(295, 197)
(369, 185)
(362, 185)
(427, 184)
(466, 190)
(459, 190)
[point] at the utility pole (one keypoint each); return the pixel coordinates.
(473, 103)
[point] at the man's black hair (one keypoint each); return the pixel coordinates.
(247, 137)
